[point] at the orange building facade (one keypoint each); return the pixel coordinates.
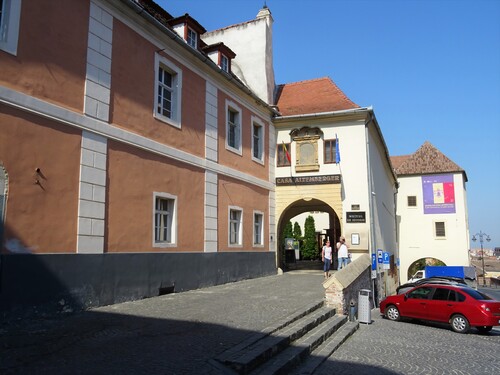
(131, 163)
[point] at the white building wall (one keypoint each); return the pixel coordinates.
(355, 190)
(252, 43)
(353, 169)
(416, 229)
(382, 192)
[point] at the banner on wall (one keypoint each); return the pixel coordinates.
(439, 194)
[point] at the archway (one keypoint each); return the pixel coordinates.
(420, 264)
(298, 207)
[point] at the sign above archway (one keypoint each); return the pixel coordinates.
(309, 180)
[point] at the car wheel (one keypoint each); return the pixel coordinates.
(484, 329)
(392, 313)
(459, 323)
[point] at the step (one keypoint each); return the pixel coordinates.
(326, 349)
(254, 337)
(300, 350)
(247, 357)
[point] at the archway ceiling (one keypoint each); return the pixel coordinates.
(302, 205)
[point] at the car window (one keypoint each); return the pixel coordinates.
(420, 293)
(477, 295)
(441, 294)
(459, 296)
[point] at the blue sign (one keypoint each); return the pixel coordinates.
(386, 257)
(374, 262)
(379, 255)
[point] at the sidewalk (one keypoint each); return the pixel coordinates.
(171, 334)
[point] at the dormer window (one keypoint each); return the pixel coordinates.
(220, 54)
(224, 63)
(192, 37)
(188, 29)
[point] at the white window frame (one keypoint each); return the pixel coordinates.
(231, 106)
(9, 25)
(435, 230)
(192, 37)
(224, 62)
(333, 150)
(172, 220)
(258, 231)
(163, 63)
(257, 122)
(239, 234)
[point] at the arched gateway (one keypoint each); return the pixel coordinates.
(300, 206)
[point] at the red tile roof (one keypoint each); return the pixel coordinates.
(426, 160)
(314, 96)
(397, 161)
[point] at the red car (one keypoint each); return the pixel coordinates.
(461, 306)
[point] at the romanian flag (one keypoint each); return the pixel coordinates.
(286, 153)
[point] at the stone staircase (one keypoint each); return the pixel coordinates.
(296, 346)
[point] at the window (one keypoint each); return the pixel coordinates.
(442, 294)
(192, 38)
(420, 293)
(440, 229)
(257, 140)
(477, 294)
(168, 92)
(233, 128)
(10, 13)
(258, 228)
(224, 63)
(412, 201)
(235, 226)
(330, 151)
(164, 220)
(284, 155)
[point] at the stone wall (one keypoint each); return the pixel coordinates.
(344, 286)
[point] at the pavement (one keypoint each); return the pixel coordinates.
(181, 333)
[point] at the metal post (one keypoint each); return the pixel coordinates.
(482, 260)
(481, 240)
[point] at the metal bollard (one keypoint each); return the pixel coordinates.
(352, 311)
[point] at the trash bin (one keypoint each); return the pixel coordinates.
(352, 311)
(364, 310)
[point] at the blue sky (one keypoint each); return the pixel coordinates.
(430, 69)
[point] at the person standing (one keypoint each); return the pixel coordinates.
(343, 253)
(326, 257)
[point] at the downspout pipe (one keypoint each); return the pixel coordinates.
(371, 205)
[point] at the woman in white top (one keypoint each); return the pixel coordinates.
(343, 254)
(326, 257)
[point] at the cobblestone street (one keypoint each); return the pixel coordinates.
(386, 347)
(181, 333)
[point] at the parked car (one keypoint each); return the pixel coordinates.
(434, 279)
(461, 306)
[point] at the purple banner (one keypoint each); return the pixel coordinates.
(439, 194)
